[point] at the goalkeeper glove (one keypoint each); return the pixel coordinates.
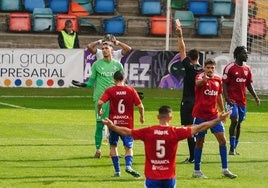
(140, 95)
(78, 84)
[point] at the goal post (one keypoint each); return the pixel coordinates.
(239, 37)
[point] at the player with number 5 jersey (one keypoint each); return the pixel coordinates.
(161, 143)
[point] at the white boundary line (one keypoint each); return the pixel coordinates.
(12, 105)
(10, 96)
(72, 96)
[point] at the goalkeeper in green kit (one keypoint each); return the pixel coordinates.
(101, 78)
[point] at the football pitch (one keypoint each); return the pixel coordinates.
(47, 140)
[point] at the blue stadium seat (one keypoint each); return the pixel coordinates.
(115, 25)
(29, 5)
(199, 7)
(150, 7)
(222, 7)
(43, 20)
(10, 5)
(207, 26)
(104, 6)
(59, 6)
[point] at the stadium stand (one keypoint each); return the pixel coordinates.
(226, 27)
(115, 25)
(59, 6)
(104, 6)
(137, 28)
(19, 22)
(157, 26)
(222, 7)
(29, 5)
(43, 20)
(257, 27)
(187, 20)
(150, 7)
(178, 5)
(199, 7)
(207, 26)
(61, 18)
(81, 7)
(8, 5)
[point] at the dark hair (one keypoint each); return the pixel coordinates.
(164, 110)
(210, 61)
(107, 43)
(68, 23)
(193, 54)
(119, 75)
(109, 37)
(238, 50)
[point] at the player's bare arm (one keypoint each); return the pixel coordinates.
(208, 124)
(253, 93)
(225, 94)
(125, 48)
(181, 44)
(141, 111)
(220, 103)
(92, 47)
(120, 130)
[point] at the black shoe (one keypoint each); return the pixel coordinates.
(97, 155)
(133, 172)
(188, 161)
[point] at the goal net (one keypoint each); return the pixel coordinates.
(250, 26)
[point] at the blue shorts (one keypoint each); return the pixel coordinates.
(114, 137)
(216, 129)
(237, 111)
(168, 183)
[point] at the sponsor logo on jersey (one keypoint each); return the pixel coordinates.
(240, 80)
(210, 92)
(120, 117)
(158, 162)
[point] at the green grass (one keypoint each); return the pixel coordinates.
(49, 141)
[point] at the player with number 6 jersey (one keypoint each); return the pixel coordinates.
(122, 100)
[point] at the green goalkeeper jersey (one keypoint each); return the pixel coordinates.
(102, 76)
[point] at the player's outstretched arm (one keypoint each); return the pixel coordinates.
(78, 84)
(181, 44)
(208, 124)
(120, 130)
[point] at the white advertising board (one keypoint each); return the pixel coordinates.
(40, 67)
